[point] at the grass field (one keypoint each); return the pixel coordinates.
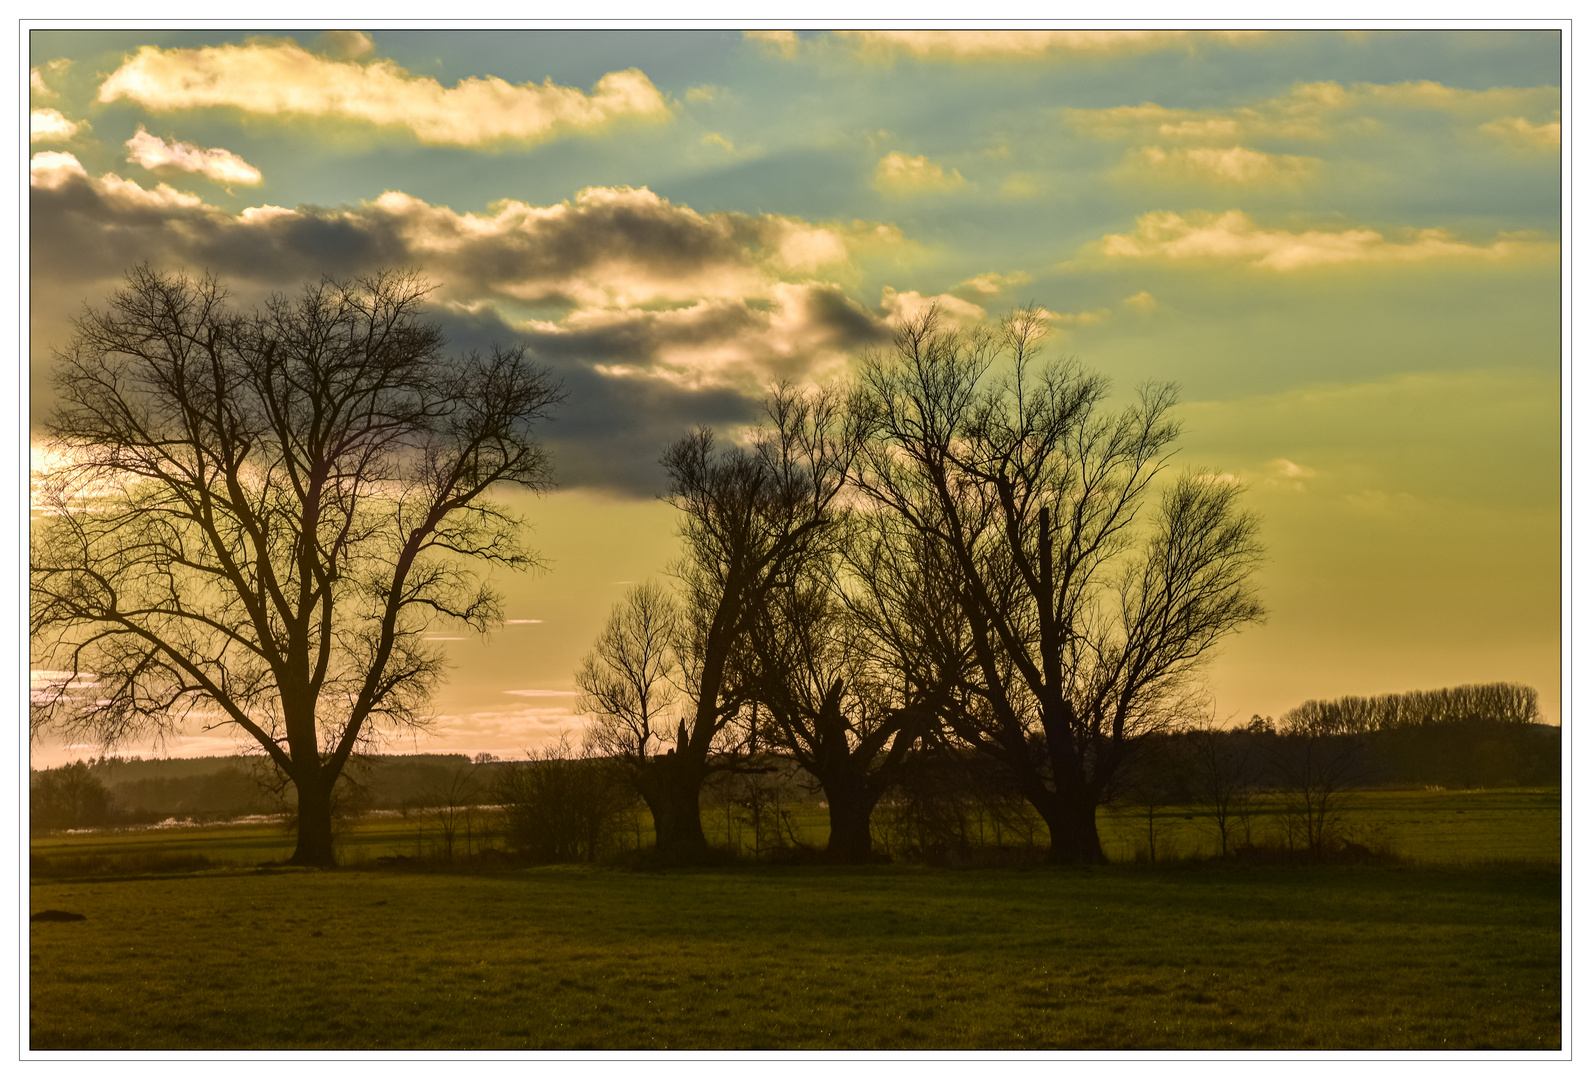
(785, 957)
(1455, 945)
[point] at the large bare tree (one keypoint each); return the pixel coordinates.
(751, 517)
(1085, 621)
(254, 517)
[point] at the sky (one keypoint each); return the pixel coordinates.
(1344, 247)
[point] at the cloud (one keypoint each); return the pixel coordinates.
(898, 174)
(1021, 185)
(783, 42)
(499, 731)
(346, 44)
(48, 125)
(221, 166)
(1005, 45)
(656, 317)
(1287, 475)
(613, 248)
(1140, 302)
(1077, 318)
(282, 79)
(802, 332)
(901, 306)
(52, 171)
(1313, 111)
(1235, 238)
(991, 283)
(1232, 166)
(1521, 132)
(38, 87)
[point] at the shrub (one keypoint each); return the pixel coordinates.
(561, 806)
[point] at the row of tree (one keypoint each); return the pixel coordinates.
(254, 518)
(962, 547)
(1488, 703)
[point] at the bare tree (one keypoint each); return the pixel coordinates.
(453, 804)
(1318, 774)
(1085, 626)
(1220, 776)
(846, 718)
(751, 516)
(258, 515)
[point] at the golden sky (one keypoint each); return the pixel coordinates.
(1345, 248)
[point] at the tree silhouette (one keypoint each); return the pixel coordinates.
(257, 516)
(1085, 627)
(835, 702)
(750, 517)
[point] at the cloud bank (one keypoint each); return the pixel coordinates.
(1312, 111)
(657, 317)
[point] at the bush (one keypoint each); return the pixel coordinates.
(955, 808)
(560, 806)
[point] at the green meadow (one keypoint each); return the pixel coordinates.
(1452, 940)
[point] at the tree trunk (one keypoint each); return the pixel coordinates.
(1074, 834)
(672, 791)
(314, 823)
(850, 822)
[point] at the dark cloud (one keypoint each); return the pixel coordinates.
(639, 375)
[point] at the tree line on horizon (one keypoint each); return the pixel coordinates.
(961, 554)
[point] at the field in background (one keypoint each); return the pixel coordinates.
(1421, 827)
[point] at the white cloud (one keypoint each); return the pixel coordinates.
(1236, 166)
(991, 283)
(901, 306)
(1234, 237)
(51, 169)
(221, 166)
(996, 45)
(1518, 130)
(37, 85)
(347, 44)
(783, 42)
(898, 174)
(280, 78)
(48, 125)
(1320, 110)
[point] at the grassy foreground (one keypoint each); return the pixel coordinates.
(1211, 956)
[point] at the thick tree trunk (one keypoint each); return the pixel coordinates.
(314, 823)
(672, 791)
(850, 822)
(1074, 833)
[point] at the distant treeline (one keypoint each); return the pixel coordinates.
(1488, 703)
(114, 790)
